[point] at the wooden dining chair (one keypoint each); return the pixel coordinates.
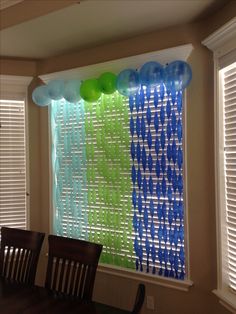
(140, 296)
(19, 254)
(72, 266)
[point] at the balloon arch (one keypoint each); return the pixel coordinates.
(175, 76)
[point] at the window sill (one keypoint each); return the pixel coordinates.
(183, 285)
(227, 299)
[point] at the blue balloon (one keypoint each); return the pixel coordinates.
(71, 91)
(178, 75)
(128, 82)
(40, 96)
(56, 89)
(151, 74)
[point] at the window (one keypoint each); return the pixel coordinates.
(13, 152)
(12, 164)
(118, 179)
(223, 43)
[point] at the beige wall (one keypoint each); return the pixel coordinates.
(19, 67)
(200, 160)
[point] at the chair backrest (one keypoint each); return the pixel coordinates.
(19, 254)
(72, 266)
(140, 296)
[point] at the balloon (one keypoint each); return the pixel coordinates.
(90, 90)
(151, 74)
(56, 89)
(107, 82)
(71, 91)
(40, 96)
(128, 82)
(178, 75)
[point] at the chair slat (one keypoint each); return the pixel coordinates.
(82, 281)
(68, 274)
(20, 265)
(6, 260)
(72, 279)
(89, 277)
(61, 276)
(78, 279)
(11, 265)
(24, 276)
(56, 266)
(17, 263)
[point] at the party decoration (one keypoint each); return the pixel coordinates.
(72, 91)
(151, 74)
(40, 96)
(107, 82)
(157, 180)
(178, 75)
(118, 164)
(152, 82)
(90, 90)
(128, 82)
(118, 174)
(56, 89)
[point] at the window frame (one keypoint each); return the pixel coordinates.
(223, 45)
(163, 56)
(15, 88)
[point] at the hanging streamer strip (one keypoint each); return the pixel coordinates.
(157, 179)
(69, 163)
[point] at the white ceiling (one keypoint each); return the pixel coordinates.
(95, 22)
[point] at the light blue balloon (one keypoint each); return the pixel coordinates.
(71, 91)
(178, 75)
(128, 82)
(151, 74)
(56, 89)
(40, 96)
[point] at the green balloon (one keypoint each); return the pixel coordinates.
(107, 82)
(89, 90)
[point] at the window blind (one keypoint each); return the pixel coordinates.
(12, 164)
(117, 168)
(229, 101)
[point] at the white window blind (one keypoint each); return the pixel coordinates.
(12, 164)
(229, 103)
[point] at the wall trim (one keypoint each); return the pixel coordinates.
(222, 40)
(182, 285)
(227, 300)
(95, 70)
(14, 87)
(223, 45)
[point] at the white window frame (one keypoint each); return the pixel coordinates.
(163, 56)
(15, 88)
(223, 44)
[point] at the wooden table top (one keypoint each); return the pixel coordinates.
(19, 299)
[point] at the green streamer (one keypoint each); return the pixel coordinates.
(107, 174)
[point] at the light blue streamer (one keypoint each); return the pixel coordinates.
(69, 169)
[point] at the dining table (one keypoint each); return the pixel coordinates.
(16, 298)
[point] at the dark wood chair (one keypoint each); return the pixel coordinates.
(72, 266)
(19, 254)
(140, 296)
